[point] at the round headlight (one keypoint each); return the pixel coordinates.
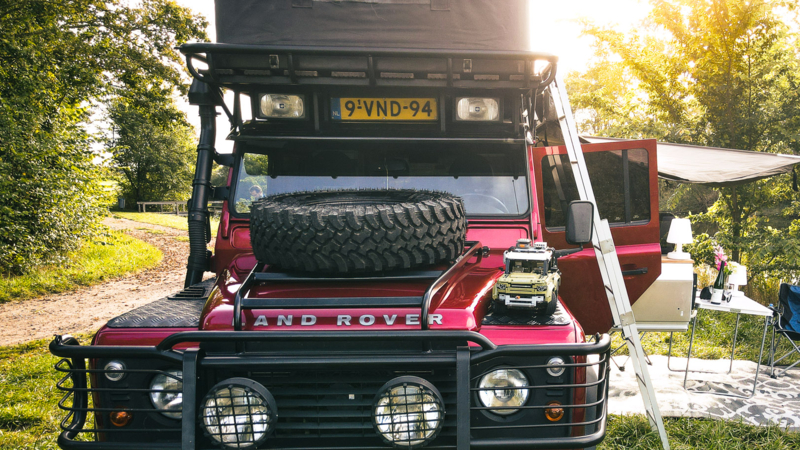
(556, 367)
(239, 413)
(502, 389)
(408, 412)
(165, 393)
(502, 286)
(115, 370)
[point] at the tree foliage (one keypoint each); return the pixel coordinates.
(720, 73)
(58, 61)
(152, 149)
(608, 103)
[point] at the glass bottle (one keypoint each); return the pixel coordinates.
(718, 288)
(719, 283)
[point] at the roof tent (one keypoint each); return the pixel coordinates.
(463, 44)
(496, 25)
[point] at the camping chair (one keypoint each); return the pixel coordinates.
(786, 322)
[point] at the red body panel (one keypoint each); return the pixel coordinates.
(137, 336)
(498, 235)
(590, 305)
(461, 305)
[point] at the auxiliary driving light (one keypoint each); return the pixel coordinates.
(239, 413)
(503, 388)
(281, 106)
(553, 368)
(408, 412)
(165, 393)
(478, 109)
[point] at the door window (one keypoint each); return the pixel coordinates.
(620, 180)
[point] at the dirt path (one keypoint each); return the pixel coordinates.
(87, 309)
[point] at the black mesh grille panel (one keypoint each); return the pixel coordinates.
(326, 408)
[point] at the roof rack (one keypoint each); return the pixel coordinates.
(258, 276)
(237, 66)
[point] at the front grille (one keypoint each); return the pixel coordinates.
(333, 405)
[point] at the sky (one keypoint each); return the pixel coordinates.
(555, 30)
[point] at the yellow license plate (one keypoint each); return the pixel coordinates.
(399, 109)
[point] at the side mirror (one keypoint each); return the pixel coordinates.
(580, 221)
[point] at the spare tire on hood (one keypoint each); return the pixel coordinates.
(352, 231)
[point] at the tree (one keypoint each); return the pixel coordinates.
(608, 103)
(152, 149)
(59, 60)
(721, 73)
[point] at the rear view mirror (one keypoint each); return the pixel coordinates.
(580, 221)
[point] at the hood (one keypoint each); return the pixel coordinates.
(382, 304)
(375, 304)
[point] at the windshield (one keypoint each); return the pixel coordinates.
(529, 266)
(489, 178)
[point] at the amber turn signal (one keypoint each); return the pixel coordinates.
(120, 418)
(554, 414)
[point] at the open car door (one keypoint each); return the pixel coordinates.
(624, 177)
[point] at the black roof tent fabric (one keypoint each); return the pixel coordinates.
(714, 166)
(495, 25)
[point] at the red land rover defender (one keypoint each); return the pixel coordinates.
(401, 147)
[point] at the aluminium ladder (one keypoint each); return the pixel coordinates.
(608, 261)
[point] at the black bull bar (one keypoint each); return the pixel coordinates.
(194, 360)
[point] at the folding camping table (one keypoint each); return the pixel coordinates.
(738, 305)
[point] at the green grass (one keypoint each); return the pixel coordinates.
(106, 257)
(29, 414)
(634, 433)
(165, 220)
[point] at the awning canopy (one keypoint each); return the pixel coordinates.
(714, 166)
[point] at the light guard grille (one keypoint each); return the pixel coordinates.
(338, 405)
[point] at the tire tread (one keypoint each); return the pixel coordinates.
(295, 232)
